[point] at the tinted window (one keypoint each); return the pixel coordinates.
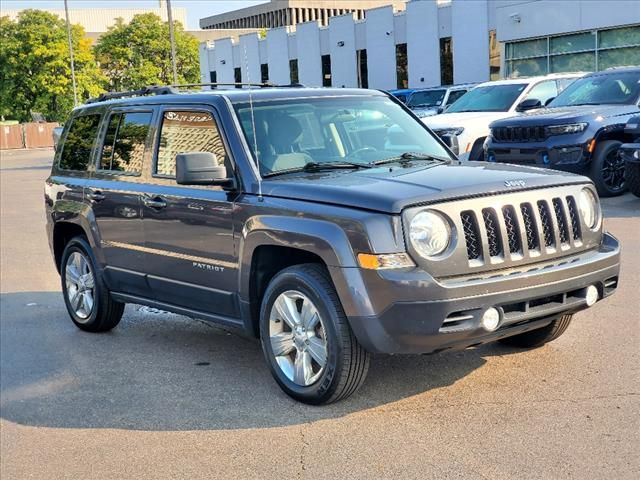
(455, 95)
(613, 88)
(426, 98)
(80, 140)
(187, 131)
(124, 143)
(543, 91)
(492, 98)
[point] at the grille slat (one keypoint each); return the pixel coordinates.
(512, 228)
(561, 218)
(547, 223)
(493, 232)
(471, 234)
(573, 218)
(530, 226)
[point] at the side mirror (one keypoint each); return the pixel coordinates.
(440, 110)
(200, 168)
(528, 104)
(549, 100)
(451, 141)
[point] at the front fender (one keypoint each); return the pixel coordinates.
(325, 239)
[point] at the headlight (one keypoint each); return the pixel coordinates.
(448, 131)
(568, 128)
(429, 233)
(589, 208)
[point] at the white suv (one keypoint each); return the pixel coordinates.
(468, 118)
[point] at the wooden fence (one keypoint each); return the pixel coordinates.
(27, 135)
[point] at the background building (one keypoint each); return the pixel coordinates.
(434, 42)
(281, 13)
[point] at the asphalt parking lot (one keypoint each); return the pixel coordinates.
(163, 396)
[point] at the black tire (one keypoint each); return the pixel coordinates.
(477, 150)
(537, 338)
(347, 362)
(607, 169)
(632, 177)
(105, 312)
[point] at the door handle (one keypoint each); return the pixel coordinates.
(154, 202)
(96, 195)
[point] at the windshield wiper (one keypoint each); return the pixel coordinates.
(318, 166)
(408, 156)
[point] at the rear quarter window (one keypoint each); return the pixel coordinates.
(79, 143)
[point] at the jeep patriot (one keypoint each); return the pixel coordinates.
(329, 223)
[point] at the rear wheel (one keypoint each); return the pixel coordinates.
(88, 301)
(308, 344)
(537, 338)
(607, 169)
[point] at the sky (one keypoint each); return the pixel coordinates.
(196, 9)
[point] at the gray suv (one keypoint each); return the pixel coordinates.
(328, 223)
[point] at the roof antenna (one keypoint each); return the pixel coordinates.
(253, 126)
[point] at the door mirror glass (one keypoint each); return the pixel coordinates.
(528, 104)
(200, 168)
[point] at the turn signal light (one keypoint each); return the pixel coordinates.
(381, 262)
(591, 146)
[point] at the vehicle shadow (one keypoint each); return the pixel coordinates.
(158, 371)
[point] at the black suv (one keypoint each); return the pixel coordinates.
(329, 223)
(580, 131)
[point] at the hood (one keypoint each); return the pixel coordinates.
(559, 115)
(448, 120)
(391, 189)
(425, 111)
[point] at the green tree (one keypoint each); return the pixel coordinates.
(138, 54)
(35, 71)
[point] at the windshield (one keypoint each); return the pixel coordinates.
(426, 98)
(610, 88)
(492, 98)
(359, 129)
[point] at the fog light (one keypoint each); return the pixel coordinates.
(490, 319)
(591, 295)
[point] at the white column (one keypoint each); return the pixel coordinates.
(381, 48)
(224, 60)
(423, 43)
(204, 63)
(309, 61)
(278, 56)
(470, 41)
(250, 55)
(342, 46)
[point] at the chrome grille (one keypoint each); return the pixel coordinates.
(527, 229)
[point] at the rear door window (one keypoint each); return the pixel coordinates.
(124, 144)
(455, 95)
(79, 143)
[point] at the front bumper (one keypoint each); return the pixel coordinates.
(415, 313)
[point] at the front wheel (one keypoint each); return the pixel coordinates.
(537, 338)
(607, 169)
(308, 344)
(88, 301)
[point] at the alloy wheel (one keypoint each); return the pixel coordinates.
(298, 338)
(613, 171)
(80, 283)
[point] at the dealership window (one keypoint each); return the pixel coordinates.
(446, 61)
(326, 70)
(264, 72)
(293, 71)
(402, 77)
(363, 68)
(494, 56)
(237, 76)
(213, 77)
(578, 52)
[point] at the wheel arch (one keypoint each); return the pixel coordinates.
(63, 232)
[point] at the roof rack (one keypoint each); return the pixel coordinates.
(172, 89)
(153, 90)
